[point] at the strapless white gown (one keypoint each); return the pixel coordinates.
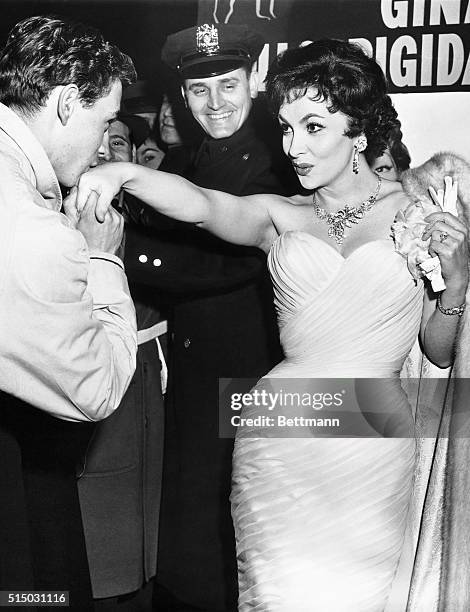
(320, 522)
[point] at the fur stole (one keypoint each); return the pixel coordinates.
(454, 581)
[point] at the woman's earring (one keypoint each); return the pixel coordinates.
(360, 145)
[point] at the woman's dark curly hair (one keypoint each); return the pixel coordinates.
(346, 78)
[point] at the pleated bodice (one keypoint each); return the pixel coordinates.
(343, 316)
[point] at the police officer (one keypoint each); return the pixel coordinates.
(223, 320)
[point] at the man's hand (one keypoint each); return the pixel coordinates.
(101, 184)
(105, 235)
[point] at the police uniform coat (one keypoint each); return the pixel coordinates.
(119, 481)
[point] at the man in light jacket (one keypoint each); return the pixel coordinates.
(67, 323)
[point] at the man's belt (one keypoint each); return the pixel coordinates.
(152, 333)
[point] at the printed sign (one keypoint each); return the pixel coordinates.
(422, 45)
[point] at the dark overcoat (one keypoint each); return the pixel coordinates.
(120, 478)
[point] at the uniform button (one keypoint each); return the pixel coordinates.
(246, 156)
(143, 258)
(157, 262)
(224, 149)
(186, 343)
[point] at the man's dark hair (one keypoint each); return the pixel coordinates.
(346, 78)
(44, 52)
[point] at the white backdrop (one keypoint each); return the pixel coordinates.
(433, 122)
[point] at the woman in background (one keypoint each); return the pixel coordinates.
(394, 160)
(151, 152)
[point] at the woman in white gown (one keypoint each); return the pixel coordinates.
(320, 521)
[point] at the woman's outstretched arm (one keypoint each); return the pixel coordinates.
(240, 220)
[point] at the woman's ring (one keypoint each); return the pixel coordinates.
(443, 237)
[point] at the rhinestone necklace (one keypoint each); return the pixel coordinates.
(343, 218)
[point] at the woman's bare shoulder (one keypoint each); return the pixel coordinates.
(300, 200)
(283, 213)
(393, 196)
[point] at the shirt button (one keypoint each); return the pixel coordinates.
(224, 149)
(186, 343)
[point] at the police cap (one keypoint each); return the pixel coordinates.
(141, 97)
(209, 50)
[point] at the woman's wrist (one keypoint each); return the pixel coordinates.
(129, 173)
(455, 290)
(451, 298)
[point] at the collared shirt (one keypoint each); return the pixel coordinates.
(67, 322)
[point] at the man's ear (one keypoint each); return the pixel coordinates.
(254, 83)
(66, 102)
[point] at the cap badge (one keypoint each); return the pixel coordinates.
(207, 39)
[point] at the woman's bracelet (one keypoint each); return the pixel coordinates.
(456, 310)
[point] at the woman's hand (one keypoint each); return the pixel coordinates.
(104, 182)
(449, 241)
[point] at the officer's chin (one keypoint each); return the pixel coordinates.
(221, 132)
